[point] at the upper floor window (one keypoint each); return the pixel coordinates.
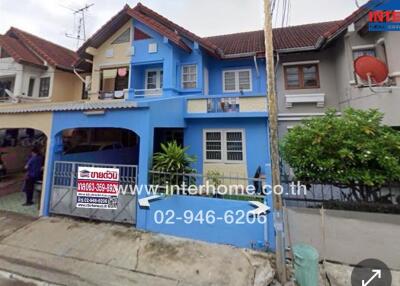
(301, 76)
(224, 145)
(189, 76)
(154, 81)
(44, 88)
(364, 52)
(125, 37)
(31, 86)
(237, 80)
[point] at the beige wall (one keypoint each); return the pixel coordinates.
(66, 87)
(121, 57)
(253, 104)
(40, 121)
(247, 104)
(197, 106)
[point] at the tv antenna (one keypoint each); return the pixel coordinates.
(80, 29)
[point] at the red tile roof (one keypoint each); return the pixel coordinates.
(160, 24)
(19, 52)
(53, 54)
(176, 28)
(160, 28)
(295, 37)
(302, 36)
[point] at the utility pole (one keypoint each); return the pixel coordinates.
(273, 137)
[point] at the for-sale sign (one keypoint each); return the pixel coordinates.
(97, 188)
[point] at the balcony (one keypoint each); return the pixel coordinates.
(116, 94)
(233, 106)
(148, 92)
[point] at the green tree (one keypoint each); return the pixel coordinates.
(354, 150)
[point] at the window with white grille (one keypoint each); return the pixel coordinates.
(189, 76)
(224, 145)
(237, 80)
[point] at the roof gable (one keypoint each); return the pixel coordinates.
(19, 52)
(288, 39)
(52, 53)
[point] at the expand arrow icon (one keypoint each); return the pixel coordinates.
(260, 208)
(378, 273)
(145, 202)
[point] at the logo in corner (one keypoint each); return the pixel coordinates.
(84, 174)
(384, 15)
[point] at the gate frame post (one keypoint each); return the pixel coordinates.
(53, 141)
(145, 158)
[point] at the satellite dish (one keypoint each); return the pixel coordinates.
(370, 69)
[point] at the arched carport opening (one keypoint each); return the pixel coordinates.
(99, 145)
(16, 146)
(95, 149)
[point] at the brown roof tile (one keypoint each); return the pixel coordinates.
(19, 52)
(295, 37)
(54, 54)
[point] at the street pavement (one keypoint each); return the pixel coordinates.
(63, 251)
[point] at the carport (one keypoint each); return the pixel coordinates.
(109, 148)
(25, 123)
(98, 118)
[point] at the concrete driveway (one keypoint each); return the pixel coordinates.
(62, 251)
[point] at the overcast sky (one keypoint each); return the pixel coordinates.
(52, 19)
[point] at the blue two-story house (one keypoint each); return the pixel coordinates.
(149, 77)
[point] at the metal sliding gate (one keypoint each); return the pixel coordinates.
(64, 195)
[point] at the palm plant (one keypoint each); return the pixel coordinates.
(171, 165)
(173, 159)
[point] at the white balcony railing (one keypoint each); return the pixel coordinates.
(117, 94)
(148, 92)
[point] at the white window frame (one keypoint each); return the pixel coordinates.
(224, 151)
(158, 79)
(152, 48)
(237, 89)
(182, 76)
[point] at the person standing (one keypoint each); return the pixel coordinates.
(33, 174)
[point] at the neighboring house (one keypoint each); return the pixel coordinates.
(315, 69)
(34, 69)
(36, 74)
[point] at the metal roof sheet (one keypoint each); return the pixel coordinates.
(68, 106)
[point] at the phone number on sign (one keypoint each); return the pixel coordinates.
(207, 217)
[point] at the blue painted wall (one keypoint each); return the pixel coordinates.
(216, 68)
(169, 111)
(240, 235)
(172, 58)
(255, 133)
